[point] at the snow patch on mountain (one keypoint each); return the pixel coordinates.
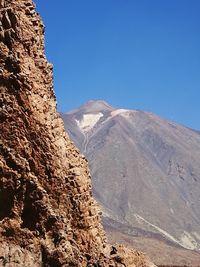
(88, 121)
(188, 241)
(196, 235)
(119, 112)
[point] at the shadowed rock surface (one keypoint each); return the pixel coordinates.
(48, 216)
(145, 174)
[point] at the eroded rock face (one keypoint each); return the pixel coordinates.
(47, 214)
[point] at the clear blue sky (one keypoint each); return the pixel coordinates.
(135, 54)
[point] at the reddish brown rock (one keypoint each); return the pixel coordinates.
(48, 216)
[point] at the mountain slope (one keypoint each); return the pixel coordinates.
(145, 171)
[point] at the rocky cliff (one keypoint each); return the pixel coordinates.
(48, 216)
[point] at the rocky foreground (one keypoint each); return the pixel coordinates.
(48, 216)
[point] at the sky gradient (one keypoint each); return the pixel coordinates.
(135, 54)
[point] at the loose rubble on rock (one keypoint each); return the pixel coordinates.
(48, 216)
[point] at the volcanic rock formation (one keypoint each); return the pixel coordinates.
(47, 214)
(145, 174)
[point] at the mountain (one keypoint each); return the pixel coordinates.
(145, 174)
(48, 216)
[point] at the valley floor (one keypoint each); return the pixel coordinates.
(162, 254)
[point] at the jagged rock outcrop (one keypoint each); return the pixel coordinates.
(47, 214)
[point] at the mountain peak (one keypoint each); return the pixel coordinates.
(93, 106)
(96, 105)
